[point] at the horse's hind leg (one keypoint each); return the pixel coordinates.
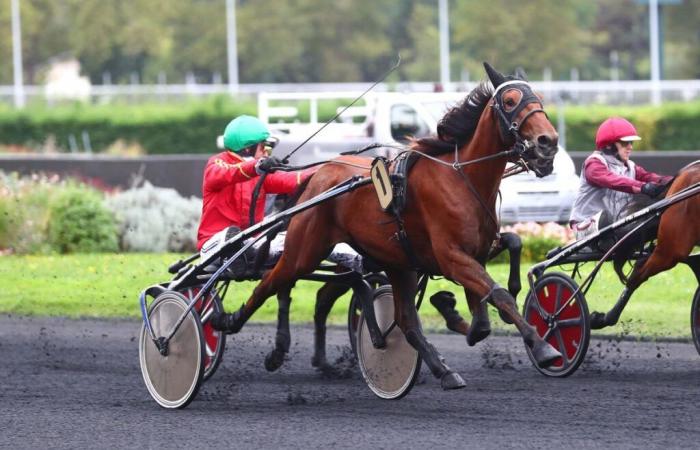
(514, 245)
(325, 299)
(293, 263)
(283, 338)
(661, 259)
(445, 303)
(404, 286)
(481, 326)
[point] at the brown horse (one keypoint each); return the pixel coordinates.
(450, 220)
(676, 236)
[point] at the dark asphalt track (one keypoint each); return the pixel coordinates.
(77, 384)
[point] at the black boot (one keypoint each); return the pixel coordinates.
(228, 323)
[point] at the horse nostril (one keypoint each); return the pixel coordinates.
(546, 140)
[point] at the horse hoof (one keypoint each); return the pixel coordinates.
(545, 354)
(460, 327)
(597, 320)
(477, 334)
(452, 380)
(505, 317)
(274, 360)
(318, 361)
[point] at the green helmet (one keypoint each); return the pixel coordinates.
(244, 131)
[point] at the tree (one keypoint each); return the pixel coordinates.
(683, 40)
(509, 34)
(622, 26)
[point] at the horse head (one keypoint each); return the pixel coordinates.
(523, 124)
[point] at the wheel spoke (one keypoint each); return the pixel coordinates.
(547, 334)
(569, 322)
(557, 298)
(210, 353)
(562, 347)
(207, 315)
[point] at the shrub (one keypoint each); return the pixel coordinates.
(155, 219)
(537, 239)
(24, 211)
(78, 222)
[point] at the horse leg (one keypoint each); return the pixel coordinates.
(325, 299)
(445, 302)
(292, 264)
(404, 285)
(283, 339)
(481, 326)
(465, 270)
(657, 262)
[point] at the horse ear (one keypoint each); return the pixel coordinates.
(520, 74)
(496, 77)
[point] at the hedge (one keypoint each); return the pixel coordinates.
(159, 128)
(191, 127)
(672, 126)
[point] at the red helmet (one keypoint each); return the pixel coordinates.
(615, 129)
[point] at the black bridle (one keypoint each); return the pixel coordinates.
(509, 127)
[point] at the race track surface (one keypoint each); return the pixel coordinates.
(77, 384)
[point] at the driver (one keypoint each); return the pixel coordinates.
(230, 178)
(609, 178)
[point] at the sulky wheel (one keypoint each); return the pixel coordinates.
(695, 319)
(389, 372)
(172, 377)
(355, 308)
(214, 341)
(562, 323)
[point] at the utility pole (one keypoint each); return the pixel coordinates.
(444, 45)
(654, 51)
(232, 46)
(17, 56)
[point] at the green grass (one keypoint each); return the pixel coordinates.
(108, 285)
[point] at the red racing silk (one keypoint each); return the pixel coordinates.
(598, 174)
(227, 191)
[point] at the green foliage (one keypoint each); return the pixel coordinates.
(191, 127)
(672, 126)
(24, 213)
(345, 40)
(78, 222)
(535, 248)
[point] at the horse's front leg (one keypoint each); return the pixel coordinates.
(404, 286)
(465, 270)
(325, 299)
(283, 338)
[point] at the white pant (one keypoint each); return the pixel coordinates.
(341, 254)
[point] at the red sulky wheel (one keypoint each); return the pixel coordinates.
(214, 341)
(560, 320)
(695, 319)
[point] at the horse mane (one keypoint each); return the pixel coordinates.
(458, 124)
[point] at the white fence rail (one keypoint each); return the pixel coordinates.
(612, 92)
